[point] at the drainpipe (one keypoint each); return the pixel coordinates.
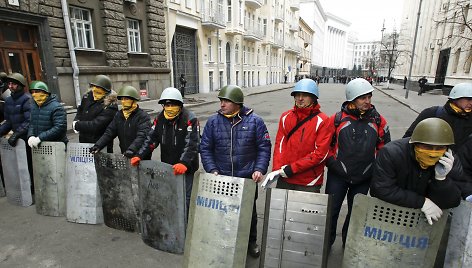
(73, 60)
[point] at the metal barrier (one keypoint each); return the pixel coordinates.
(219, 221)
(385, 235)
(16, 174)
(459, 247)
(296, 229)
(49, 183)
(84, 203)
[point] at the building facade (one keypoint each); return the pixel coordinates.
(367, 57)
(67, 42)
(443, 51)
(306, 44)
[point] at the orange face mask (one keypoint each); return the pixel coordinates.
(98, 93)
(427, 158)
(40, 97)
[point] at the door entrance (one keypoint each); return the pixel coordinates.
(19, 50)
(442, 66)
(184, 57)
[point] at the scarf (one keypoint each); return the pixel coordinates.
(427, 158)
(40, 97)
(458, 109)
(98, 93)
(233, 114)
(129, 106)
(172, 112)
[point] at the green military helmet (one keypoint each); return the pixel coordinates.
(39, 85)
(17, 78)
(3, 75)
(128, 91)
(232, 93)
(102, 81)
(433, 131)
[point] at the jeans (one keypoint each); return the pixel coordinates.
(253, 231)
(338, 187)
(282, 184)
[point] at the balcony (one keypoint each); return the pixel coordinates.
(213, 19)
(293, 48)
(252, 34)
(255, 4)
(234, 30)
(277, 42)
(278, 15)
(293, 27)
(295, 5)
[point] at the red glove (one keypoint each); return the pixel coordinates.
(135, 161)
(179, 169)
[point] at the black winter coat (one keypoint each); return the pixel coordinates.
(48, 122)
(399, 179)
(17, 114)
(179, 140)
(465, 182)
(131, 132)
(94, 116)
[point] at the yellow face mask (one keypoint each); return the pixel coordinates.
(427, 158)
(128, 106)
(98, 93)
(171, 112)
(40, 97)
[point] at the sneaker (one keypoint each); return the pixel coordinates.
(253, 250)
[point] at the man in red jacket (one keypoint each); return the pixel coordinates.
(302, 142)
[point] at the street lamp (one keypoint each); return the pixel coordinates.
(381, 44)
(413, 49)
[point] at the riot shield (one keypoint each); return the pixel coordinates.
(296, 229)
(459, 247)
(16, 174)
(118, 184)
(49, 183)
(84, 203)
(162, 206)
(385, 235)
(219, 221)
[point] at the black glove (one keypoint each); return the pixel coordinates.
(336, 166)
(13, 139)
(94, 149)
(129, 153)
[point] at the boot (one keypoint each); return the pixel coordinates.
(253, 250)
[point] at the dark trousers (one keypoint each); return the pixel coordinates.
(253, 231)
(282, 184)
(338, 187)
(188, 189)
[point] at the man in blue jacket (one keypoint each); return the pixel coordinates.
(235, 142)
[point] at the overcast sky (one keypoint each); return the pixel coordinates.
(367, 16)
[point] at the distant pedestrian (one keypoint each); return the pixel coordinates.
(404, 82)
(285, 79)
(422, 82)
(183, 83)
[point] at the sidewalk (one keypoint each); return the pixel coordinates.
(152, 107)
(414, 102)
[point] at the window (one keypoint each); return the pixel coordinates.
(220, 51)
(221, 79)
(210, 57)
(265, 26)
(468, 61)
(240, 12)
(134, 38)
(236, 53)
(244, 54)
(258, 52)
(456, 60)
(210, 80)
(81, 26)
(229, 10)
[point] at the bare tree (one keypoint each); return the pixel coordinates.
(389, 52)
(455, 28)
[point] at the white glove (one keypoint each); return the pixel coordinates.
(270, 178)
(30, 139)
(444, 166)
(431, 211)
(35, 141)
(73, 127)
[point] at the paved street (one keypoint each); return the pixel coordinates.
(31, 240)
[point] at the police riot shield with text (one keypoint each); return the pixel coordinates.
(84, 203)
(16, 174)
(162, 206)
(118, 183)
(459, 247)
(49, 182)
(386, 235)
(219, 221)
(296, 229)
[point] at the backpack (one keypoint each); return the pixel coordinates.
(338, 120)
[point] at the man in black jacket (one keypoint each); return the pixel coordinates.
(422, 82)
(131, 125)
(177, 131)
(96, 111)
(418, 172)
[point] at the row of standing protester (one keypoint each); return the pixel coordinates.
(353, 144)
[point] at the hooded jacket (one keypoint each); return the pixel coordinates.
(93, 116)
(236, 146)
(48, 122)
(358, 139)
(17, 114)
(399, 179)
(306, 150)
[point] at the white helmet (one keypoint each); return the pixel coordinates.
(461, 90)
(171, 93)
(358, 87)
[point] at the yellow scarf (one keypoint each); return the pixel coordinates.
(232, 115)
(129, 106)
(98, 93)
(40, 97)
(427, 158)
(172, 112)
(352, 106)
(458, 109)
